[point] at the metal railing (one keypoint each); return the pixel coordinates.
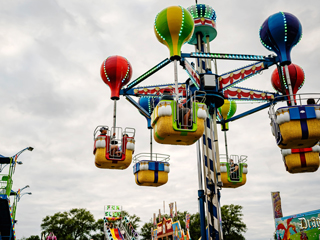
(131, 233)
(234, 173)
(158, 157)
(127, 235)
(300, 99)
(185, 109)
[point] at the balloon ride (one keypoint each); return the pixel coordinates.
(234, 169)
(113, 148)
(186, 113)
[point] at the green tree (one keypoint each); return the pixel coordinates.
(145, 233)
(77, 224)
(232, 225)
(194, 230)
(99, 231)
(33, 237)
(134, 219)
(181, 216)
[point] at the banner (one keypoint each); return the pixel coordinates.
(151, 233)
(276, 205)
(154, 220)
(164, 209)
(159, 215)
(188, 221)
(304, 226)
(171, 209)
(175, 203)
(165, 227)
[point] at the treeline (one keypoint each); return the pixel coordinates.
(79, 224)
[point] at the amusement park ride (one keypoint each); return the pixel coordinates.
(117, 226)
(188, 112)
(7, 208)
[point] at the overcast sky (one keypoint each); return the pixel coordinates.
(52, 98)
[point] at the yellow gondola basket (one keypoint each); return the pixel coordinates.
(301, 160)
(166, 129)
(299, 126)
(227, 181)
(151, 173)
(103, 159)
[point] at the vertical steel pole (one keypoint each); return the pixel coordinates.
(205, 60)
(199, 165)
(208, 51)
(226, 144)
(176, 79)
(199, 49)
(201, 196)
(197, 65)
(114, 114)
(151, 144)
(289, 84)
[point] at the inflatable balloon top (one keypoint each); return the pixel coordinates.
(280, 33)
(116, 72)
(173, 27)
(297, 79)
(227, 110)
(204, 22)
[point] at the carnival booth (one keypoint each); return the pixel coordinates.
(169, 230)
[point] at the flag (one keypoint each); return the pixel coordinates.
(151, 233)
(171, 209)
(154, 220)
(164, 211)
(276, 204)
(175, 203)
(188, 221)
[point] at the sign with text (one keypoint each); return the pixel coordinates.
(299, 226)
(164, 227)
(112, 210)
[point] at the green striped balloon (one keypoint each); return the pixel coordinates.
(173, 27)
(227, 110)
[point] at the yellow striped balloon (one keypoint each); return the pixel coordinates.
(173, 27)
(227, 110)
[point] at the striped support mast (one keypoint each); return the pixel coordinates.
(211, 161)
(211, 174)
(217, 153)
(210, 149)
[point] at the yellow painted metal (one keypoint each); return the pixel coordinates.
(147, 177)
(164, 131)
(293, 162)
(227, 184)
(102, 162)
(291, 134)
(165, 134)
